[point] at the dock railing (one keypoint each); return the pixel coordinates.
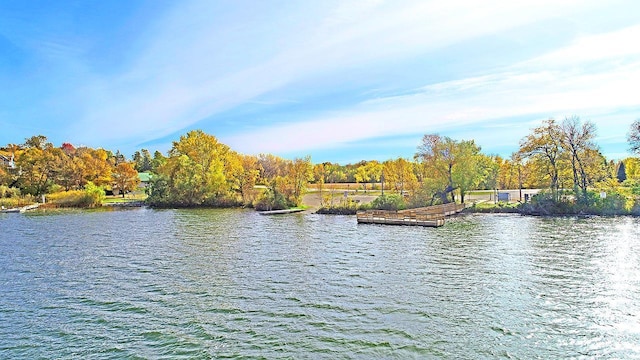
(424, 216)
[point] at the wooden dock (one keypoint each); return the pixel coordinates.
(432, 216)
(20, 209)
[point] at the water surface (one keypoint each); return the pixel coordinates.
(205, 284)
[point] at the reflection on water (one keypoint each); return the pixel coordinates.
(232, 283)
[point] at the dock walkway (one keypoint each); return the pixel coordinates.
(20, 209)
(432, 216)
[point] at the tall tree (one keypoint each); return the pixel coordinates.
(157, 161)
(544, 144)
(118, 158)
(399, 175)
(471, 167)
(247, 178)
(96, 167)
(37, 141)
(300, 171)
(39, 168)
(125, 178)
(621, 173)
(447, 165)
(143, 161)
(634, 137)
(438, 156)
(577, 139)
(195, 170)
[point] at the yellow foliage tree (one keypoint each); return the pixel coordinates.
(125, 178)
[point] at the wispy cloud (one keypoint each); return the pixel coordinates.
(541, 87)
(203, 62)
(198, 64)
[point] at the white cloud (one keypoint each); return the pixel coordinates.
(542, 86)
(203, 59)
(615, 45)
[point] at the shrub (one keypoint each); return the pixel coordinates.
(271, 200)
(17, 201)
(95, 193)
(348, 207)
(91, 196)
(389, 202)
(543, 203)
(9, 192)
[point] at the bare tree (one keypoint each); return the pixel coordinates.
(577, 138)
(634, 137)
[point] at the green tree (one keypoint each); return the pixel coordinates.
(438, 157)
(38, 142)
(471, 167)
(544, 146)
(195, 171)
(143, 162)
(157, 161)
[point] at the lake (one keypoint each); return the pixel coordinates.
(200, 284)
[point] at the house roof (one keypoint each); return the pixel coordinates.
(145, 176)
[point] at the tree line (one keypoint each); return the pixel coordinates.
(198, 170)
(37, 167)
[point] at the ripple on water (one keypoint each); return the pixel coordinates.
(231, 283)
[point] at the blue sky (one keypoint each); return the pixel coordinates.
(338, 80)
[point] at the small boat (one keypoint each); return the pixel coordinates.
(280, 212)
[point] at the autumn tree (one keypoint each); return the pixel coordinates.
(116, 158)
(361, 175)
(544, 145)
(96, 167)
(447, 165)
(300, 172)
(318, 176)
(4, 176)
(632, 168)
(270, 167)
(194, 173)
(369, 172)
(399, 175)
(247, 178)
(37, 166)
(125, 178)
(437, 156)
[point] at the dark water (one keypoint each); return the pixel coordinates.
(233, 284)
